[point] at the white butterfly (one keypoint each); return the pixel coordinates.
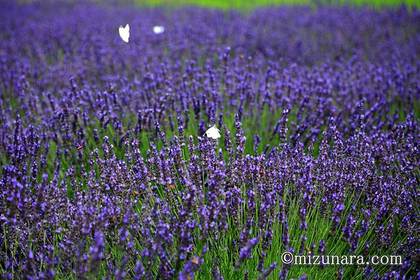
(213, 132)
(158, 29)
(124, 32)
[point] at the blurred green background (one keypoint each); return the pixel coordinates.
(249, 4)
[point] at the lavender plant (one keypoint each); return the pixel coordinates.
(106, 170)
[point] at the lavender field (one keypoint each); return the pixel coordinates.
(107, 171)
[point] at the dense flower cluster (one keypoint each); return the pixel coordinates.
(107, 172)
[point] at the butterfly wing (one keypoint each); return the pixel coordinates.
(124, 32)
(213, 132)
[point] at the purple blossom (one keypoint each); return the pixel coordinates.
(105, 170)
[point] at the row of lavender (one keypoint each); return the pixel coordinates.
(106, 172)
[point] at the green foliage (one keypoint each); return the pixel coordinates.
(247, 4)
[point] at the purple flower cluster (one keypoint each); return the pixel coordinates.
(106, 171)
